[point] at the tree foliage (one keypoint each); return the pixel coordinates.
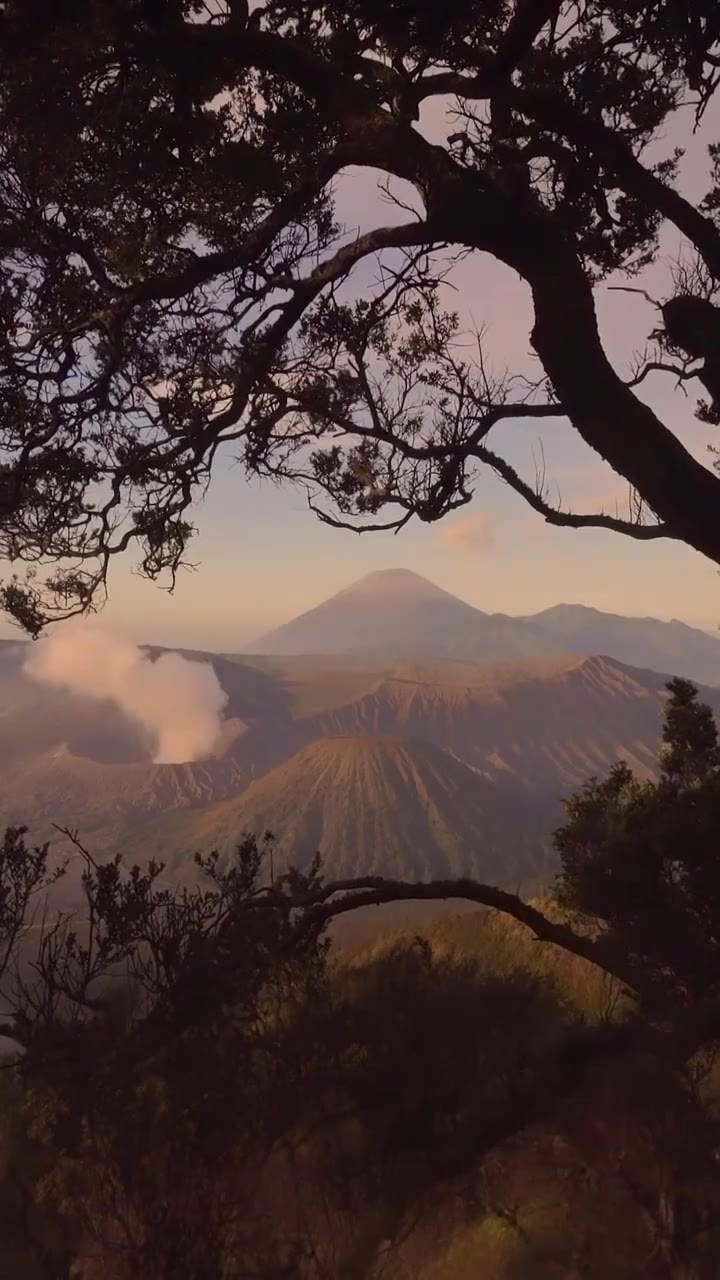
(642, 857)
(198, 1095)
(202, 1093)
(200, 1090)
(175, 285)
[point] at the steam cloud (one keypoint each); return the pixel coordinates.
(177, 701)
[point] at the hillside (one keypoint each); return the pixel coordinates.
(371, 806)
(396, 613)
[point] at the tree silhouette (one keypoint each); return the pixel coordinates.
(174, 284)
(642, 857)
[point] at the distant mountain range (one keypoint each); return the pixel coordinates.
(662, 646)
(397, 613)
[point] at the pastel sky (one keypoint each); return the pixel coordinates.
(263, 557)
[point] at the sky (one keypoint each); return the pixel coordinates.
(261, 557)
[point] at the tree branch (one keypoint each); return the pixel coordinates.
(568, 519)
(683, 1031)
(526, 23)
(660, 366)
(618, 157)
(463, 208)
(341, 896)
(606, 144)
(207, 267)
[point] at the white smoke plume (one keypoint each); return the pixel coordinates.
(177, 701)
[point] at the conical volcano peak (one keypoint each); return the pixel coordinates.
(399, 613)
(395, 583)
(389, 612)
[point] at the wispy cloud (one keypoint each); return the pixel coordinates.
(473, 533)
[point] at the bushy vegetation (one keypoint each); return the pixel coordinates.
(202, 1089)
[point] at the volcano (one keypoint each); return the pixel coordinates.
(397, 613)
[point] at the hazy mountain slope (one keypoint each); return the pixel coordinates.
(663, 646)
(396, 613)
(372, 806)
